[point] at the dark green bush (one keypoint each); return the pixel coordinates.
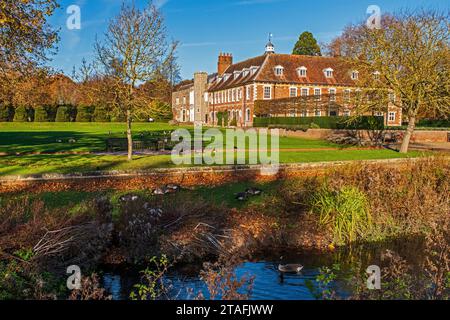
(84, 114)
(364, 122)
(21, 114)
(433, 123)
(40, 114)
(101, 114)
(6, 113)
(220, 119)
(63, 114)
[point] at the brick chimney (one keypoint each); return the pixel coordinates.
(225, 60)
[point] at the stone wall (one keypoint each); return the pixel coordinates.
(419, 136)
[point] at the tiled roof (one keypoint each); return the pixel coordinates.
(241, 79)
(290, 63)
(315, 70)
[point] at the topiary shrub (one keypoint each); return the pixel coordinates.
(62, 114)
(84, 114)
(101, 114)
(21, 114)
(40, 114)
(6, 113)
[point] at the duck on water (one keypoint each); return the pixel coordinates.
(289, 268)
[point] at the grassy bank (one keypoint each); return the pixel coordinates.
(350, 205)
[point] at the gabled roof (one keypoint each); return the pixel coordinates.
(241, 79)
(315, 71)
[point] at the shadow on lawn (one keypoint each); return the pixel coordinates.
(51, 141)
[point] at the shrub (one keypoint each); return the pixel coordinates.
(84, 114)
(63, 114)
(345, 211)
(101, 114)
(233, 122)
(6, 113)
(21, 114)
(434, 123)
(363, 122)
(40, 114)
(220, 119)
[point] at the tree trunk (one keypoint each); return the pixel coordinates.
(129, 137)
(408, 134)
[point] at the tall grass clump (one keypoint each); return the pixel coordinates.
(346, 212)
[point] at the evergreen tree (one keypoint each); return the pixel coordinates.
(307, 45)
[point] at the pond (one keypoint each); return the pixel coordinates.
(268, 285)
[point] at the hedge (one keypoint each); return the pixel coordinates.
(40, 114)
(21, 114)
(364, 122)
(6, 113)
(432, 123)
(101, 114)
(63, 114)
(84, 114)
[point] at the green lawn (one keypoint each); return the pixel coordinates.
(90, 137)
(43, 137)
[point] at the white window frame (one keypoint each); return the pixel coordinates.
(328, 73)
(303, 90)
(247, 115)
(304, 113)
(347, 113)
(355, 75)
(392, 116)
(318, 97)
(279, 71)
(248, 93)
(291, 90)
(317, 113)
(270, 93)
(177, 101)
(332, 93)
(302, 72)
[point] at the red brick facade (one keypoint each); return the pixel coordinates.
(236, 87)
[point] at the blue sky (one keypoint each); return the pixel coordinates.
(207, 27)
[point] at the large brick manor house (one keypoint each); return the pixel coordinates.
(236, 86)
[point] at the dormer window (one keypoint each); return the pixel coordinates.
(226, 76)
(355, 75)
(253, 69)
(236, 74)
(328, 72)
(302, 71)
(279, 70)
(245, 72)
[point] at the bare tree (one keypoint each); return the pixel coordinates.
(408, 58)
(134, 50)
